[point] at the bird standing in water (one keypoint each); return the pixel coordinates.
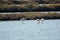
(38, 21)
(42, 19)
(22, 19)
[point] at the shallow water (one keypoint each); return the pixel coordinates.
(30, 30)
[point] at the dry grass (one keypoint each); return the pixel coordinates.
(29, 15)
(25, 7)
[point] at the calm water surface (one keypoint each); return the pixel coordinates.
(30, 30)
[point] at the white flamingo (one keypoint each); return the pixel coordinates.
(42, 19)
(22, 19)
(38, 21)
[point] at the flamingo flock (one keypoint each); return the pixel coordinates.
(38, 20)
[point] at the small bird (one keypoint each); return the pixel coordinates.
(38, 21)
(42, 19)
(22, 19)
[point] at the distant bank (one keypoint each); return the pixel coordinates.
(29, 7)
(29, 16)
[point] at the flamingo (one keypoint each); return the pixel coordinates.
(42, 19)
(38, 21)
(22, 19)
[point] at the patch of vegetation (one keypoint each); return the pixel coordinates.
(27, 8)
(29, 16)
